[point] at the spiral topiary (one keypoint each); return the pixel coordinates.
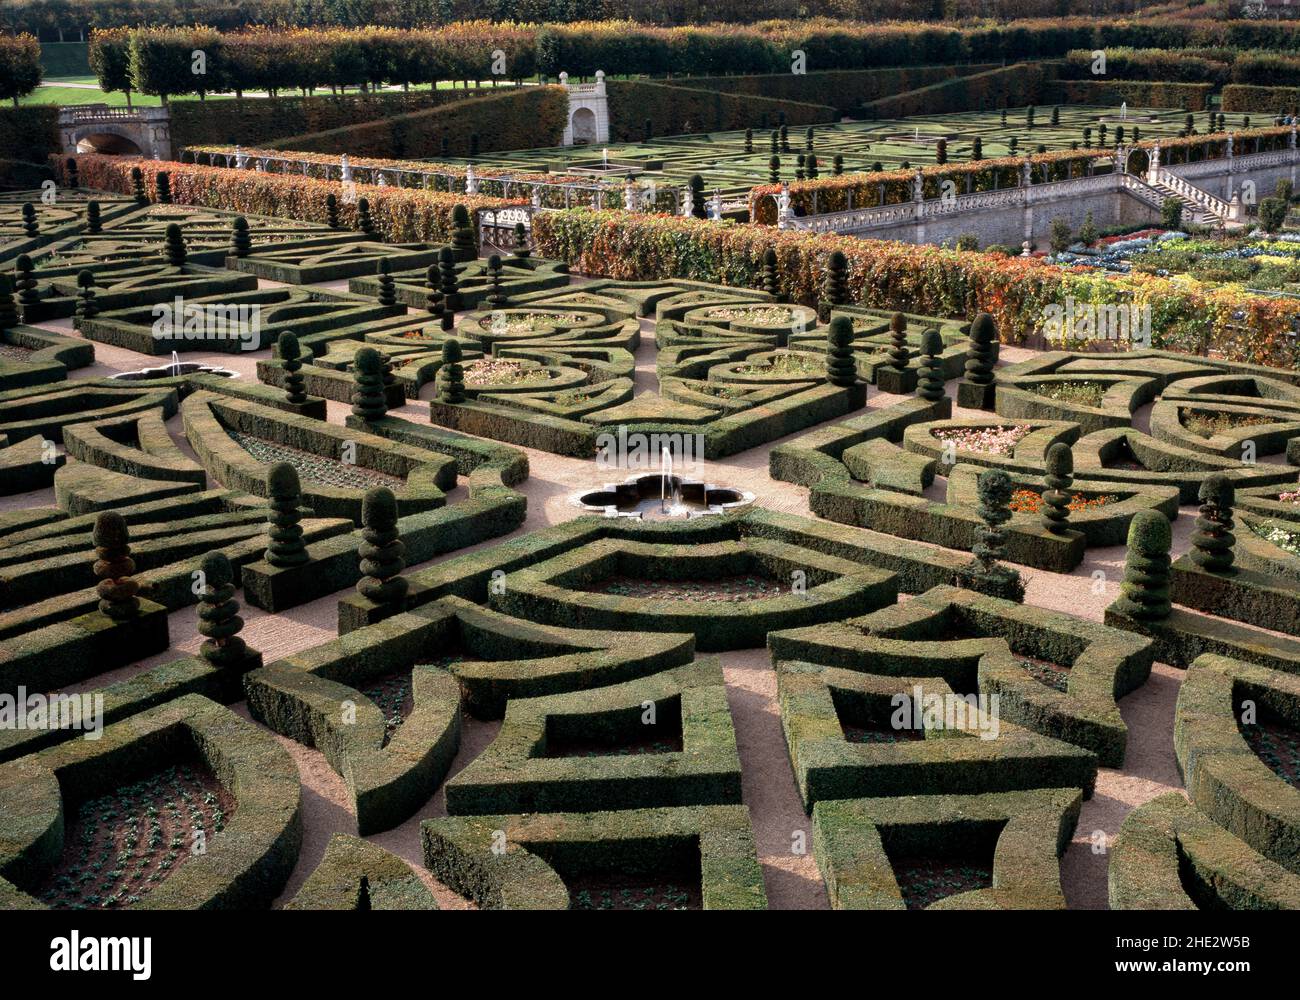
(163, 184)
(930, 381)
(835, 285)
(241, 243)
(8, 308)
(174, 246)
(1055, 511)
(979, 355)
(521, 250)
(364, 222)
(382, 552)
(462, 234)
(86, 307)
(74, 178)
(785, 137)
(1145, 590)
(368, 400)
(774, 142)
(697, 196)
(841, 369)
(452, 375)
(387, 286)
(749, 140)
(837, 164)
(219, 621)
(449, 287)
(771, 275)
(899, 356)
(137, 187)
(1213, 540)
(94, 221)
(986, 572)
(332, 210)
(290, 354)
(774, 169)
(432, 293)
(113, 567)
(28, 288)
(287, 547)
(31, 227)
(496, 297)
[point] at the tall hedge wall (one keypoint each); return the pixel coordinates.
(1245, 97)
(29, 133)
(844, 89)
(255, 121)
(1140, 93)
(674, 110)
(524, 118)
(1006, 86)
(920, 279)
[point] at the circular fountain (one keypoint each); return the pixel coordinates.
(661, 495)
(175, 368)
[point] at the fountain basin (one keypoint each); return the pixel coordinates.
(641, 497)
(173, 370)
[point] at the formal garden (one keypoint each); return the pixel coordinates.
(397, 521)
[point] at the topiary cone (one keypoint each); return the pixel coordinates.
(86, 307)
(382, 552)
(979, 355)
(219, 621)
(1145, 590)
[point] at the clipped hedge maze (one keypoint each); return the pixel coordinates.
(49, 836)
(1236, 843)
(996, 851)
(688, 857)
(1206, 416)
(557, 368)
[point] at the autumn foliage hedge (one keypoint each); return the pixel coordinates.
(917, 279)
(400, 214)
(893, 187)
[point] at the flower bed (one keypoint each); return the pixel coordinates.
(986, 440)
(1031, 502)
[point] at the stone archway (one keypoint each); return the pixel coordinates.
(111, 143)
(583, 124)
(119, 131)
